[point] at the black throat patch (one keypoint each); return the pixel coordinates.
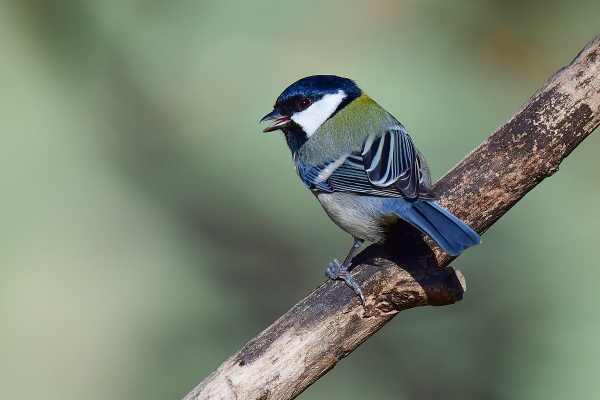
(295, 136)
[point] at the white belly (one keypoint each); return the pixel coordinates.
(364, 217)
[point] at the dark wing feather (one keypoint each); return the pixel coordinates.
(392, 159)
(310, 175)
(348, 176)
(352, 177)
(398, 171)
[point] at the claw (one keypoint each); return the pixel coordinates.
(354, 286)
(339, 270)
(333, 272)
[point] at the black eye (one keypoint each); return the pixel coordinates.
(304, 103)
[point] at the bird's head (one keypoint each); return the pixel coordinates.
(306, 104)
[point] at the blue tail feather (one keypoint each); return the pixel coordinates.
(449, 232)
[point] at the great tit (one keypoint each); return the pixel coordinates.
(362, 166)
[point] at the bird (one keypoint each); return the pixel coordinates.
(362, 166)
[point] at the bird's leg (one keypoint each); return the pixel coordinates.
(339, 270)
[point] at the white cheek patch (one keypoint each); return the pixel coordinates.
(313, 117)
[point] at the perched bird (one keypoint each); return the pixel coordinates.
(362, 166)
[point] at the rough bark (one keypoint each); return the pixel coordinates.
(409, 270)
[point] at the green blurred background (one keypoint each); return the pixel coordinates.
(148, 229)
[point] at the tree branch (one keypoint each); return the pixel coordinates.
(409, 270)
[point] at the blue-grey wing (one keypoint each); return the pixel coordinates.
(393, 160)
(310, 175)
(352, 177)
(347, 174)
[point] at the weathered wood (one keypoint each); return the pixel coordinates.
(330, 323)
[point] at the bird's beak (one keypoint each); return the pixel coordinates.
(280, 121)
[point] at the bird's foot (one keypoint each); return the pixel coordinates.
(338, 270)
